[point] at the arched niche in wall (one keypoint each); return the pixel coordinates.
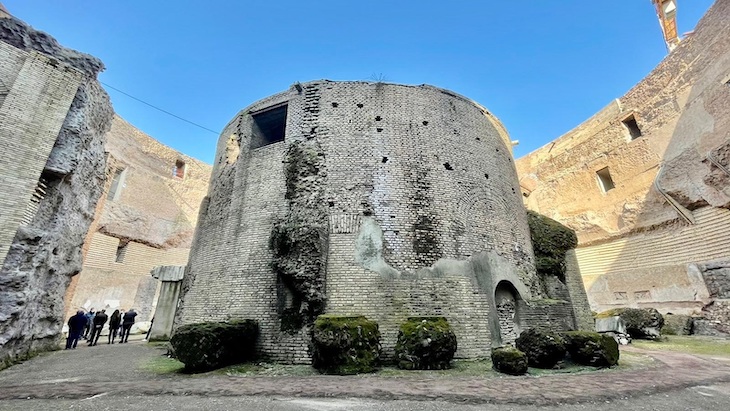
(506, 298)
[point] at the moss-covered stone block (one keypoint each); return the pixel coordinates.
(425, 343)
(677, 324)
(641, 323)
(509, 360)
(543, 349)
(550, 241)
(207, 346)
(591, 348)
(345, 345)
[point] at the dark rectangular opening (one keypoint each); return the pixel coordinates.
(605, 180)
(632, 126)
(269, 126)
(121, 251)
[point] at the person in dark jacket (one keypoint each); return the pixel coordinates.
(99, 321)
(76, 326)
(127, 322)
(114, 322)
(89, 323)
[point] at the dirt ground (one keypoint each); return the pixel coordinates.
(115, 375)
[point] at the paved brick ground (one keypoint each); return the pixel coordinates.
(116, 370)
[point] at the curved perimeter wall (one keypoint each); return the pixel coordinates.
(417, 192)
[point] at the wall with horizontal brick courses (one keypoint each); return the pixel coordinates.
(39, 94)
(636, 246)
(153, 210)
(431, 170)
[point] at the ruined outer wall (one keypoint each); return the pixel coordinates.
(420, 195)
(46, 252)
(153, 212)
(35, 95)
(634, 246)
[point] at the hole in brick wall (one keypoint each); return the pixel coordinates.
(396, 232)
(425, 123)
(379, 130)
(392, 216)
(448, 166)
(269, 126)
(178, 170)
(367, 213)
(479, 139)
(384, 160)
(513, 190)
(331, 203)
(313, 130)
(121, 251)
(632, 127)
(334, 104)
(360, 105)
(498, 150)
(605, 180)
(378, 118)
(486, 176)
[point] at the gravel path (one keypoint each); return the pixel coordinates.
(116, 370)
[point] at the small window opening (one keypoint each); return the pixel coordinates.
(632, 127)
(121, 251)
(605, 180)
(115, 190)
(178, 170)
(269, 126)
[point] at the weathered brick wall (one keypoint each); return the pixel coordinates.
(36, 94)
(635, 247)
(546, 315)
(425, 215)
(105, 283)
(153, 210)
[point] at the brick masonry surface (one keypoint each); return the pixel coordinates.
(35, 95)
(424, 211)
(668, 211)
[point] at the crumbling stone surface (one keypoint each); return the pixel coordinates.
(299, 241)
(641, 323)
(509, 360)
(677, 324)
(543, 349)
(345, 345)
(47, 252)
(207, 346)
(590, 348)
(425, 343)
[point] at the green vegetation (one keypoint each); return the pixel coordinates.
(207, 346)
(692, 344)
(550, 241)
(345, 345)
(543, 349)
(425, 343)
(591, 348)
(509, 360)
(163, 365)
(299, 241)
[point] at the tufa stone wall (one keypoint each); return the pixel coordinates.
(644, 182)
(411, 199)
(53, 118)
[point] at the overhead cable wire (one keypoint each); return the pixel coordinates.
(159, 109)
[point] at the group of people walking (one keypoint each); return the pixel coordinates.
(88, 325)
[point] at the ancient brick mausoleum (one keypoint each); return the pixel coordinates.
(355, 198)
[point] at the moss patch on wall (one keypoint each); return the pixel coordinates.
(299, 240)
(550, 241)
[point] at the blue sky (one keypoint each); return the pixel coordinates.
(542, 67)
